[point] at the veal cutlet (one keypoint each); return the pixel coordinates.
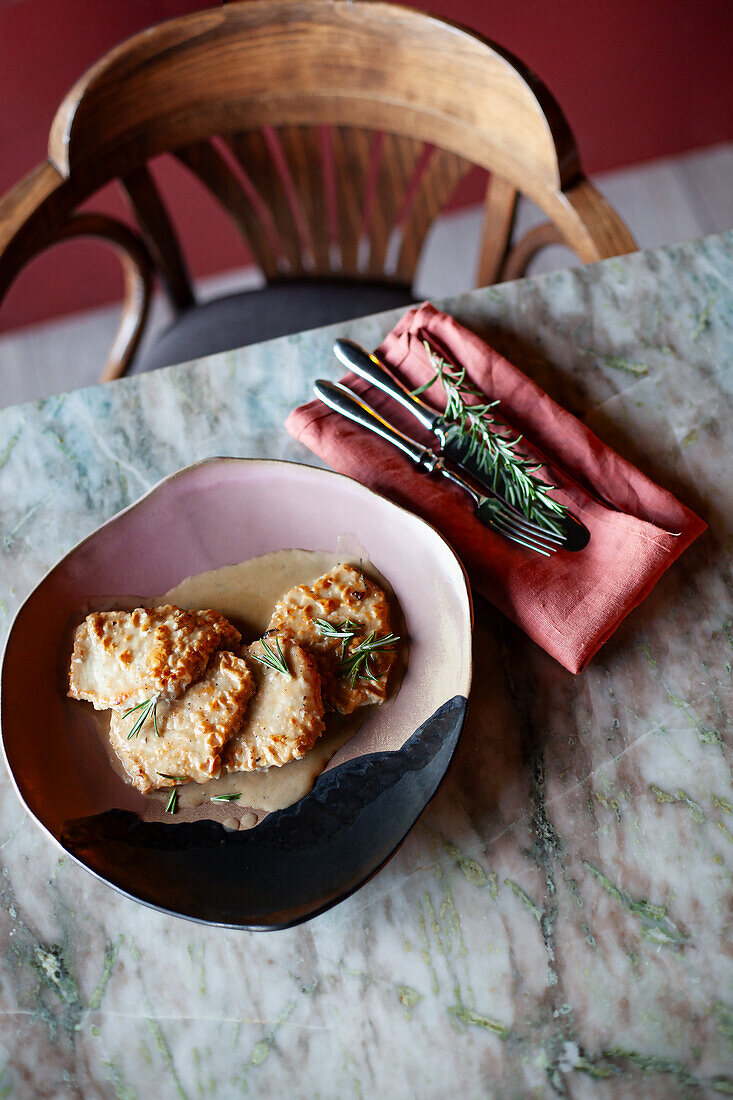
(122, 658)
(285, 717)
(355, 613)
(181, 740)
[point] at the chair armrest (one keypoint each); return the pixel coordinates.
(34, 216)
(25, 219)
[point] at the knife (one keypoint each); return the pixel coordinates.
(575, 534)
(490, 508)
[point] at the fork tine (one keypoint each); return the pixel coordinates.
(507, 525)
(531, 528)
(493, 513)
(512, 515)
(529, 546)
(515, 535)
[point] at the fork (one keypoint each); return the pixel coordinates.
(491, 510)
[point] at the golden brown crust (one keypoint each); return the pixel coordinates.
(342, 594)
(121, 658)
(192, 729)
(285, 717)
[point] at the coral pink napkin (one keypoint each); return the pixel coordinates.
(569, 603)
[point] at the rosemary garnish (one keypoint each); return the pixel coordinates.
(357, 666)
(224, 797)
(177, 778)
(346, 631)
(272, 659)
(510, 474)
(146, 708)
(172, 805)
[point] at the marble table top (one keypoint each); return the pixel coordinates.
(558, 922)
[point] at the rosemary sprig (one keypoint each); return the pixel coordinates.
(272, 659)
(511, 474)
(146, 708)
(177, 778)
(358, 666)
(225, 797)
(347, 631)
(172, 805)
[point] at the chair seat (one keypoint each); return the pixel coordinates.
(255, 315)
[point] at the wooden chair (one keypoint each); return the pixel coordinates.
(332, 132)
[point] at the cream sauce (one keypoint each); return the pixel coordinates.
(246, 594)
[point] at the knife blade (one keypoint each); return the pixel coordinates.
(366, 365)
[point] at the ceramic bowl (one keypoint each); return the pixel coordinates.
(299, 861)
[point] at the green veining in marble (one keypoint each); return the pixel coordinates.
(468, 1016)
(518, 892)
(408, 996)
(473, 870)
(696, 810)
(111, 951)
(620, 362)
(656, 924)
(123, 1091)
(261, 1050)
(163, 1048)
(8, 448)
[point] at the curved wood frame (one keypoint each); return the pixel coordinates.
(137, 273)
(362, 64)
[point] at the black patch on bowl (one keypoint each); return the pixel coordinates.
(298, 862)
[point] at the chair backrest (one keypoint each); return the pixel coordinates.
(332, 131)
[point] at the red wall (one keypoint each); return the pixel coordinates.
(637, 79)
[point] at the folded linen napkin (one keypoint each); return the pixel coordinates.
(570, 603)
